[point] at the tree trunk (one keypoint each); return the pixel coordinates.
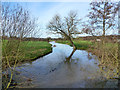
(70, 55)
(69, 38)
(74, 47)
(103, 36)
(103, 41)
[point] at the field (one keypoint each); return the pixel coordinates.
(34, 49)
(28, 50)
(80, 44)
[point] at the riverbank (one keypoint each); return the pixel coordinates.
(80, 44)
(53, 65)
(107, 54)
(28, 51)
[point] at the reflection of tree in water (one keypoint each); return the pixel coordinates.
(68, 58)
(89, 56)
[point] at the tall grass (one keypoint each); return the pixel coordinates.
(107, 54)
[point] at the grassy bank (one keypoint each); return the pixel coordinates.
(28, 50)
(34, 49)
(15, 53)
(80, 44)
(107, 54)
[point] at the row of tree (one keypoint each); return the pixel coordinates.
(101, 17)
(17, 22)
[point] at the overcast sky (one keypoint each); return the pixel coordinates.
(46, 10)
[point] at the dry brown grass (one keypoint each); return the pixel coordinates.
(107, 55)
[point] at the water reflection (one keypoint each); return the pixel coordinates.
(68, 58)
(57, 71)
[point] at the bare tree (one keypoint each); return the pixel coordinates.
(90, 29)
(66, 27)
(16, 24)
(101, 17)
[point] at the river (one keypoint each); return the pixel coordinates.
(55, 71)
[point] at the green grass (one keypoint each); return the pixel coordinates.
(85, 44)
(28, 50)
(80, 44)
(34, 49)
